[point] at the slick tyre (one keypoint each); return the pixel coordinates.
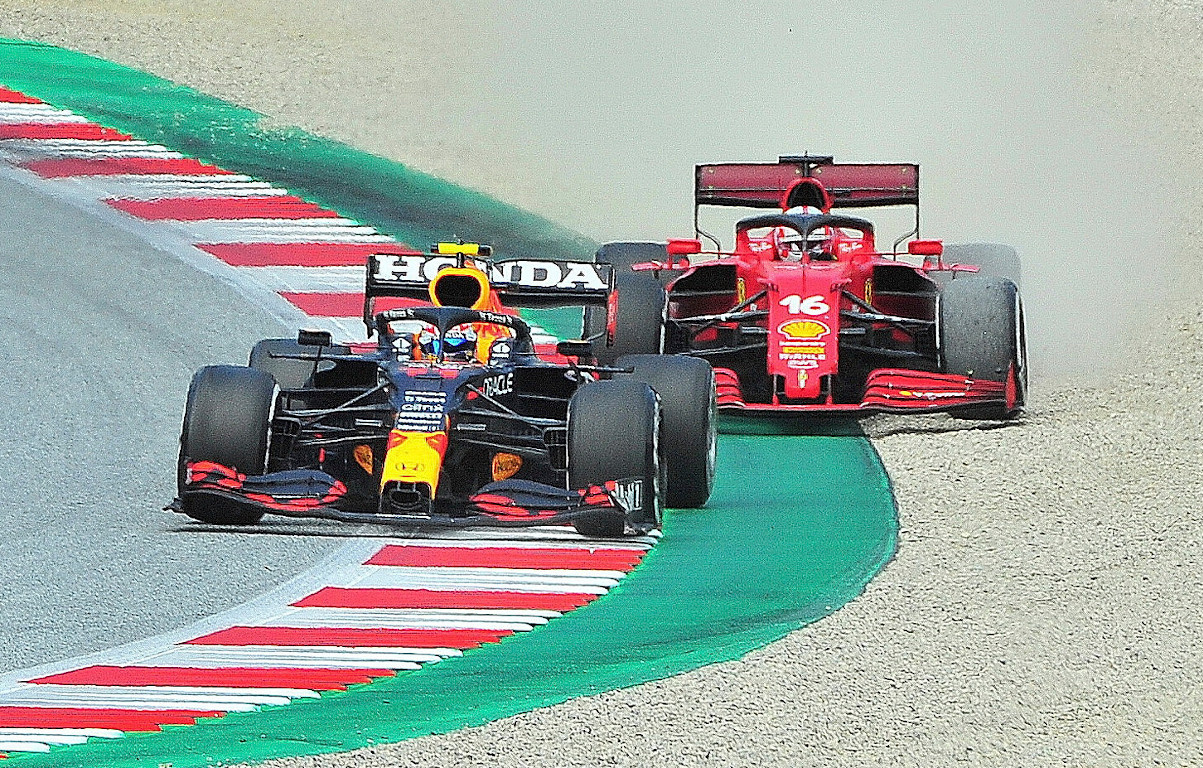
(993, 260)
(614, 433)
(228, 421)
(688, 404)
(642, 304)
(289, 373)
(980, 333)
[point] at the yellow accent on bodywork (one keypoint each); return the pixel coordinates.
(414, 457)
(453, 249)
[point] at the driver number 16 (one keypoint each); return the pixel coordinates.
(811, 305)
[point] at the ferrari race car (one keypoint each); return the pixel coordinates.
(448, 417)
(807, 314)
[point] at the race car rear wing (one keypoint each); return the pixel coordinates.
(536, 283)
(850, 185)
(846, 185)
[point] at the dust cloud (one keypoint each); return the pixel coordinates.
(607, 113)
(595, 115)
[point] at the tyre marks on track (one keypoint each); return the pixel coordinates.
(403, 604)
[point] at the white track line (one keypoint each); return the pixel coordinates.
(308, 279)
(96, 149)
(200, 186)
(392, 618)
(297, 656)
(23, 746)
(279, 231)
(389, 617)
(589, 545)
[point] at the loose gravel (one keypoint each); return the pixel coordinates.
(1042, 607)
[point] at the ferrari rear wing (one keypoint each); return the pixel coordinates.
(850, 185)
(536, 283)
(774, 185)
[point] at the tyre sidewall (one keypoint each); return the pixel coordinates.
(687, 392)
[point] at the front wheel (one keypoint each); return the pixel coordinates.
(227, 420)
(981, 334)
(614, 433)
(688, 401)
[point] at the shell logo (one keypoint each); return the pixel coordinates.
(803, 330)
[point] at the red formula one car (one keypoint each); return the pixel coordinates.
(808, 314)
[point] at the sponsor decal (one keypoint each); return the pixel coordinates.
(741, 290)
(500, 351)
(550, 274)
(495, 318)
(811, 305)
(396, 268)
(928, 395)
(421, 412)
(629, 494)
(801, 361)
(505, 466)
(495, 386)
(802, 345)
(804, 350)
(803, 330)
(802, 377)
(363, 457)
(526, 273)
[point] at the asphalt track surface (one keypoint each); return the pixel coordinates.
(102, 333)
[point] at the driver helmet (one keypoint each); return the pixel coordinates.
(792, 244)
(458, 344)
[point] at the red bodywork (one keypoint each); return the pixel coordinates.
(848, 328)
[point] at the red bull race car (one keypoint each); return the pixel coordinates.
(808, 314)
(448, 417)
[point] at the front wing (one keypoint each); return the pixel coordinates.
(894, 390)
(315, 494)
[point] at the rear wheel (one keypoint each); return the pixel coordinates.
(614, 434)
(688, 404)
(227, 421)
(981, 334)
(640, 313)
(289, 373)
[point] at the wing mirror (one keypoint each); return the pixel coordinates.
(925, 247)
(682, 246)
(574, 348)
(314, 338)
